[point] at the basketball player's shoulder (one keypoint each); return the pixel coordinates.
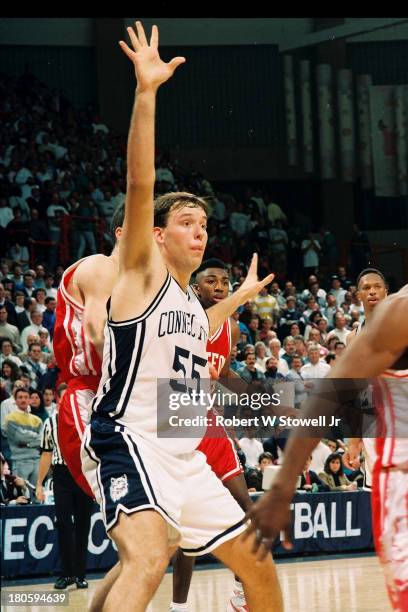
(95, 268)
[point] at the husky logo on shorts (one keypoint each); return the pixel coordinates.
(119, 487)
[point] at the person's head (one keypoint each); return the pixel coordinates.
(291, 302)
(274, 347)
(50, 304)
(294, 329)
(313, 353)
(44, 336)
(371, 288)
(6, 347)
(333, 464)
(332, 342)
(331, 300)
(314, 335)
(250, 360)
(339, 320)
(49, 281)
(339, 348)
(336, 284)
(332, 444)
(296, 363)
(322, 325)
(310, 302)
(36, 401)
(342, 271)
(28, 280)
(289, 345)
(272, 364)
(36, 317)
(180, 229)
(300, 345)
(3, 314)
(34, 351)
(39, 270)
(9, 370)
(22, 399)
(264, 460)
(40, 295)
(260, 350)
(330, 359)
(212, 282)
(253, 323)
(48, 396)
(266, 324)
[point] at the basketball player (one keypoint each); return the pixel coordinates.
(381, 350)
(156, 493)
(371, 289)
(211, 285)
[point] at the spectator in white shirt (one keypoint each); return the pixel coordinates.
(339, 328)
(49, 289)
(275, 347)
(310, 248)
(36, 318)
(7, 353)
(316, 368)
(6, 214)
(337, 290)
(251, 447)
(239, 222)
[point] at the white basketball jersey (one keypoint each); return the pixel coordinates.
(141, 355)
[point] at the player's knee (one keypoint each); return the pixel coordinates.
(149, 568)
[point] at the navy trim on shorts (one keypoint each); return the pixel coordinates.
(215, 539)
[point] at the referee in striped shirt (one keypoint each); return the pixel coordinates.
(70, 501)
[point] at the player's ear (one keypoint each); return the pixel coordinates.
(158, 234)
(196, 289)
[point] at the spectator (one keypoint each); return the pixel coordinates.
(39, 295)
(278, 246)
(34, 364)
(235, 365)
(266, 305)
(255, 476)
(253, 329)
(9, 331)
(300, 347)
(275, 213)
(37, 406)
(315, 368)
(339, 348)
(271, 369)
(10, 372)
(250, 373)
(7, 353)
(275, 348)
(9, 306)
(13, 488)
(23, 432)
(260, 355)
(49, 403)
(27, 285)
(339, 330)
(311, 249)
(266, 333)
(333, 475)
(337, 290)
(289, 349)
(251, 447)
(294, 375)
(48, 320)
(47, 354)
(309, 480)
(239, 222)
(34, 328)
(85, 227)
(6, 213)
(50, 290)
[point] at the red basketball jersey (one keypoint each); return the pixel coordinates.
(74, 352)
(219, 346)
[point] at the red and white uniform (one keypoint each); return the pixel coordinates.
(390, 482)
(80, 367)
(216, 445)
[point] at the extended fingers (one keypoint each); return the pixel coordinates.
(141, 34)
(134, 39)
(154, 39)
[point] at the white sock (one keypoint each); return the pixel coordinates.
(238, 586)
(178, 607)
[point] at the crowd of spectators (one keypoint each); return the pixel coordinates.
(62, 174)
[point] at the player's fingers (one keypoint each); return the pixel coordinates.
(126, 49)
(268, 279)
(176, 62)
(134, 39)
(154, 38)
(287, 542)
(253, 267)
(141, 34)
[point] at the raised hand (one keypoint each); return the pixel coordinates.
(251, 285)
(150, 69)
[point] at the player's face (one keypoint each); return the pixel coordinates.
(184, 238)
(212, 286)
(371, 290)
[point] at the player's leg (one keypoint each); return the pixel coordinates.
(71, 425)
(142, 542)
(260, 580)
(103, 588)
(182, 574)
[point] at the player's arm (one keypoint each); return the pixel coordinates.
(350, 337)
(43, 468)
(372, 352)
(226, 371)
(251, 286)
(95, 295)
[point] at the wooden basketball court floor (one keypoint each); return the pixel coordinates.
(355, 584)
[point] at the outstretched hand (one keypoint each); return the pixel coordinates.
(251, 285)
(150, 69)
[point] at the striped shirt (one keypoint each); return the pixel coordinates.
(49, 442)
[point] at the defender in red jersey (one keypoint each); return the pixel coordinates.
(78, 344)
(211, 286)
(381, 351)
